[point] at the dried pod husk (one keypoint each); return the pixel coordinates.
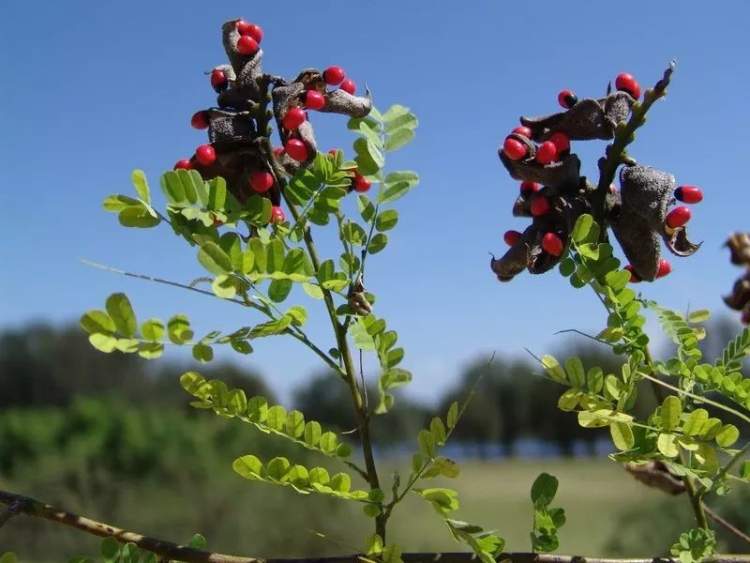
(656, 474)
(527, 253)
(227, 128)
(246, 88)
(558, 174)
(638, 221)
(357, 299)
(289, 95)
(739, 246)
(235, 165)
(588, 119)
(740, 296)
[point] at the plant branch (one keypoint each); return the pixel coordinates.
(616, 153)
(294, 332)
(697, 398)
(170, 550)
(349, 371)
(728, 526)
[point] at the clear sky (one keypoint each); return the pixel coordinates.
(91, 90)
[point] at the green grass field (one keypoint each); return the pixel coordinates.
(496, 495)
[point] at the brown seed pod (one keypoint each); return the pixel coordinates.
(586, 120)
(657, 475)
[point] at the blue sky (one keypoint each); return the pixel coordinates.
(92, 90)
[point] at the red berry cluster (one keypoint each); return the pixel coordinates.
(239, 133)
(554, 193)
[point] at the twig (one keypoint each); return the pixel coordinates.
(294, 332)
(726, 525)
(172, 551)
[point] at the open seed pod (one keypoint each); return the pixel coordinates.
(564, 172)
(528, 253)
(639, 221)
(289, 95)
(739, 298)
(587, 119)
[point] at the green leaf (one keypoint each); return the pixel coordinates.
(313, 290)
(377, 243)
(575, 372)
(95, 321)
(117, 202)
(399, 117)
(667, 445)
(119, 309)
(248, 466)
(671, 411)
(103, 342)
(198, 541)
(138, 216)
(622, 435)
(699, 316)
(443, 500)
(553, 369)
(727, 436)
(178, 330)
(279, 290)
(396, 185)
(214, 259)
(399, 138)
(544, 489)
(695, 422)
(386, 220)
(567, 267)
(153, 330)
(141, 186)
(582, 228)
(451, 418)
(295, 424)
(203, 352)
(618, 280)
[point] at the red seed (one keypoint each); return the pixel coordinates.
(523, 131)
(552, 244)
(633, 276)
(665, 268)
(514, 149)
(628, 83)
(199, 120)
(183, 164)
(361, 184)
(539, 206)
(745, 318)
(567, 99)
(528, 188)
(254, 31)
(296, 149)
(277, 214)
(314, 100)
(512, 237)
(348, 85)
(333, 152)
(689, 194)
(218, 79)
(205, 155)
(293, 118)
(246, 45)
(334, 75)
(261, 182)
(278, 151)
(678, 217)
(561, 141)
(546, 153)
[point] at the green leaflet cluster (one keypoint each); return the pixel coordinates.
(280, 471)
(370, 334)
(116, 329)
(547, 519)
(694, 444)
(270, 419)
